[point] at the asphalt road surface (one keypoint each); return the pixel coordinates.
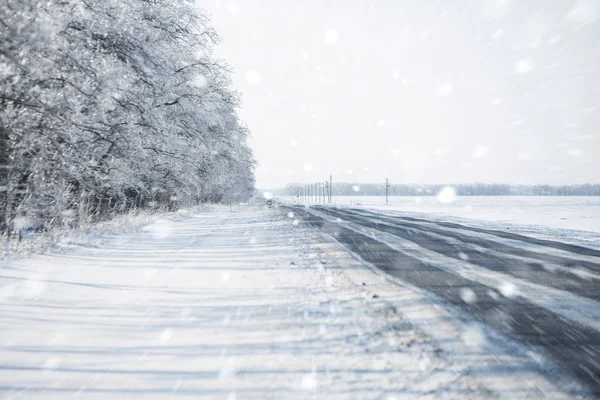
(563, 268)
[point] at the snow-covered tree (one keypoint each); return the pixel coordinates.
(109, 105)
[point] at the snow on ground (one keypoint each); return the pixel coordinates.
(65, 239)
(572, 219)
(583, 310)
(236, 305)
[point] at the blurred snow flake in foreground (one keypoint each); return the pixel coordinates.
(524, 156)
(166, 335)
(234, 8)
(199, 81)
(508, 289)
(445, 89)
(253, 77)
(322, 329)
(356, 188)
(468, 295)
(6, 292)
(309, 381)
(473, 336)
(160, 229)
(51, 363)
(331, 36)
(308, 167)
(524, 66)
(498, 34)
(493, 294)
(290, 215)
(329, 281)
(447, 195)
(481, 151)
(267, 195)
(35, 286)
(584, 12)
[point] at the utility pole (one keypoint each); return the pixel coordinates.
(387, 185)
(330, 186)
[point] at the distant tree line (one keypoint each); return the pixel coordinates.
(110, 105)
(468, 189)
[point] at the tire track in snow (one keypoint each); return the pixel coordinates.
(573, 346)
(526, 265)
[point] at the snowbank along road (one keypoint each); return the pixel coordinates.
(256, 304)
(538, 292)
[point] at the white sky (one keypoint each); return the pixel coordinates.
(417, 91)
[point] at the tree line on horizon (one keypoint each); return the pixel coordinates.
(463, 189)
(108, 106)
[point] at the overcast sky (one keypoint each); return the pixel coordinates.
(417, 91)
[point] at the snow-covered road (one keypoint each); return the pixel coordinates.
(239, 305)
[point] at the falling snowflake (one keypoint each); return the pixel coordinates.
(331, 36)
(447, 195)
(445, 89)
(584, 12)
(166, 335)
(481, 151)
(253, 77)
(234, 8)
(468, 295)
(498, 34)
(524, 66)
(508, 289)
(524, 156)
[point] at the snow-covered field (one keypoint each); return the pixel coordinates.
(570, 218)
(236, 305)
(565, 212)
